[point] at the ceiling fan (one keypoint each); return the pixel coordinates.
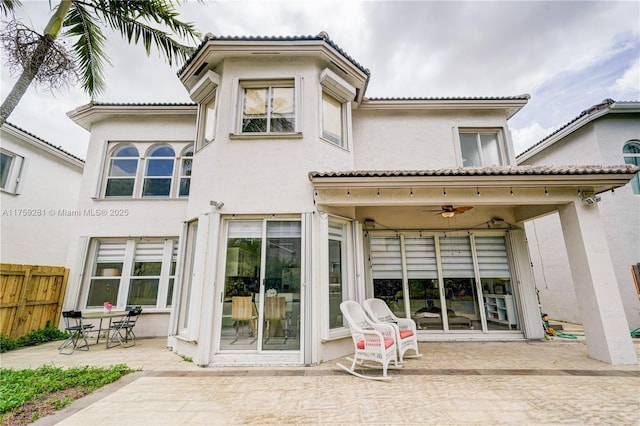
(450, 211)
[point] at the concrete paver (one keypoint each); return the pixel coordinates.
(542, 382)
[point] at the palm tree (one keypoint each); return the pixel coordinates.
(41, 58)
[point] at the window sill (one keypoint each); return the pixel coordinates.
(336, 334)
(332, 143)
(296, 135)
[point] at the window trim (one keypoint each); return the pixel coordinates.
(502, 146)
(349, 282)
(144, 148)
(148, 159)
(343, 92)
(128, 255)
(241, 84)
(15, 173)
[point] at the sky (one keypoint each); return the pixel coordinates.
(568, 55)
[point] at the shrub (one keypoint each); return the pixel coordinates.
(47, 334)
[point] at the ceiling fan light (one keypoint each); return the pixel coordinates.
(448, 214)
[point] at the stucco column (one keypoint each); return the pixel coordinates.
(596, 287)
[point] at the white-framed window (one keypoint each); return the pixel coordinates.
(186, 165)
(631, 154)
(207, 119)
(337, 95)
(123, 169)
(10, 171)
(337, 272)
(158, 173)
(333, 120)
(268, 108)
(131, 272)
(482, 148)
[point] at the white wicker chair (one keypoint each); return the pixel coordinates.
(405, 328)
(372, 342)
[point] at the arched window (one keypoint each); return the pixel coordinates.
(631, 153)
(159, 171)
(123, 166)
(186, 162)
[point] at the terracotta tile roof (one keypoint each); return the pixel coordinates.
(456, 98)
(322, 36)
(43, 141)
(485, 171)
(153, 104)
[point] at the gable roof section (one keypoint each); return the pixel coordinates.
(601, 178)
(42, 144)
(607, 106)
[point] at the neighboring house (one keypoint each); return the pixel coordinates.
(241, 222)
(39, 186)
(607, 133)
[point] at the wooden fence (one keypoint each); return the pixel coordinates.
(30, 296)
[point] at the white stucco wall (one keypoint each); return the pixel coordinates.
(599, 142)
(35, 229)
(414, 140)
(125, 218)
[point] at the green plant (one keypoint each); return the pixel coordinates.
(186, 358)
(18, 387)
(47, 334)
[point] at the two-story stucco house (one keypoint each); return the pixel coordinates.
(607, 133)
(39, 186)
(240, 222)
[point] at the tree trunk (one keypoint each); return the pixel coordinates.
(38, 57)
(28, 74)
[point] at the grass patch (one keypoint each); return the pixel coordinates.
(26, 395)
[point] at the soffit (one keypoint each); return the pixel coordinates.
(596, 178)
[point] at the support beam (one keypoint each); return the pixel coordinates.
(596, 287)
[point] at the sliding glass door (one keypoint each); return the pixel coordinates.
(261, 296)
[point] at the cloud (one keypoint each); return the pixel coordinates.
(567, 55)
(525, 137)
(628, 85)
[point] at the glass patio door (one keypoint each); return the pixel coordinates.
(261, 297)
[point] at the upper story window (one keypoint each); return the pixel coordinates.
(336, 97)
(5, 167)
(481, 149)
(157, 180)
(268, 109)
(11, 169)
(631, 153)
(157, 174)
(332, 120)
(186, 163)
(204, 93)
(207, 119)
(123, 167)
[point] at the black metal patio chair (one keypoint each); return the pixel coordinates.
(121, 332)
(77, 330)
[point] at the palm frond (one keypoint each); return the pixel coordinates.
(89, 47)
(8, 6)
(128, 17)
